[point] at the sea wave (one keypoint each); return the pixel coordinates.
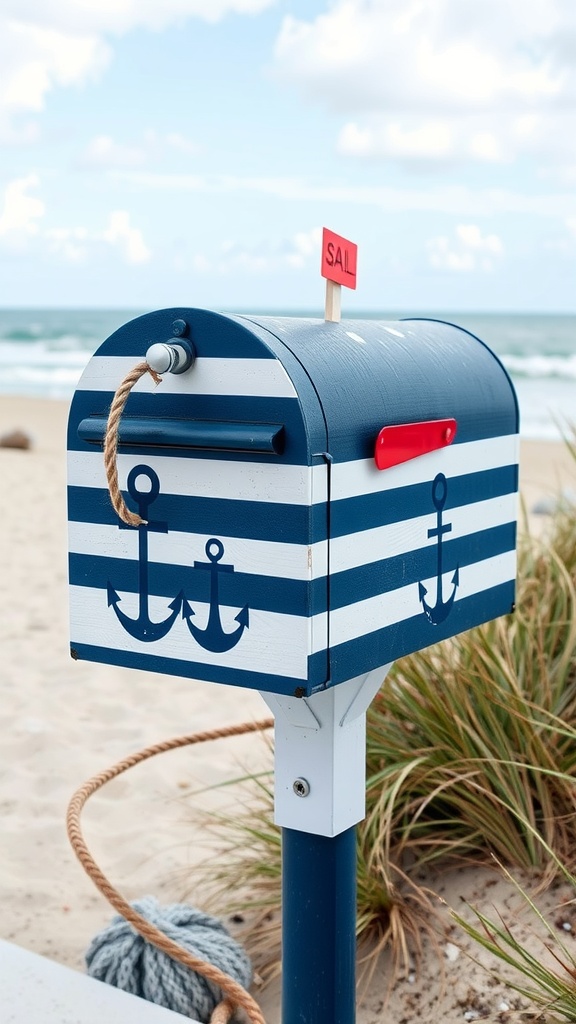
(562, 367)
(40, 369)
(49, 365)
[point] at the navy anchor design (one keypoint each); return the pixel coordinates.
(440, 611)
(213, 637)
(143, 627)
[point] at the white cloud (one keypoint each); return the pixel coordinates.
(19, 221)
(443, 79)
(458, 200)
(296, 252)
(44, 45)
(71, 243)
(129, 239)
(182, 144)
(35, 59)
(21, 211)
(469, 250)
(426, 140)
(104, 152)
(303, 246)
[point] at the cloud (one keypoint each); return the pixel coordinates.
(440, 79)
(35, 58)
(294, 253)
(413, 139)
(303, 246)
(21, 212)
(71, 243)
(104, 152)
(459, 200)
(66, 42)
(469, 250)
(129, 240)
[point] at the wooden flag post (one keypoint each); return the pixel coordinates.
(339, 257)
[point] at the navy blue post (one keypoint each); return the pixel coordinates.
(318, 928)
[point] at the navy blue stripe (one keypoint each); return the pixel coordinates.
(197, 670)
(347, 660)
(255, 520)
(236, 589)
(392, 642)
(238, 409)
(367, 511)
(293, 597)
(388, 574)
(212, 334)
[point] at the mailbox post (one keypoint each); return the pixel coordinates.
(319, 499)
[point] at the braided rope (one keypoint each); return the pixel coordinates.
(235, 995)
(111, 441)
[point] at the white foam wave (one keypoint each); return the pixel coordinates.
(561, 367)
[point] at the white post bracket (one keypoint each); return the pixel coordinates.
(320, 755)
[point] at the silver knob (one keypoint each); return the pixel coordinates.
(171, 357)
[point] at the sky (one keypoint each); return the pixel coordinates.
(188, 152)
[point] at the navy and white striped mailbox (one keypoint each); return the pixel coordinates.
(277, 554)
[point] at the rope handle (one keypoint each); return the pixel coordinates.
(111, 441)
(235, 994)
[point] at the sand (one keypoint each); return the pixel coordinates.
(61, 721)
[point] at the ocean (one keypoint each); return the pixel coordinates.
(43, 352)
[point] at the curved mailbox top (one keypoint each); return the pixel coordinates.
(276, 554)
(369, 373)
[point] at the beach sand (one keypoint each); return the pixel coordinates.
(62, 721)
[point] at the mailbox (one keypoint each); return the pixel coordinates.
(320, 498)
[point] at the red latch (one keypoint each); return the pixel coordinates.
(396, 444)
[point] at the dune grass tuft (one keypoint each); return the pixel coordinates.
(471, 754)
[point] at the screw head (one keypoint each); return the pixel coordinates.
(179, 328)
(301, 787)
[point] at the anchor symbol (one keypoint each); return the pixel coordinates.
(214, 638)
(442, 608)
(143, 628)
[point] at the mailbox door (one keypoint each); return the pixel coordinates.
(227, 581)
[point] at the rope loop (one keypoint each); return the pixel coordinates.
(111, 441)
(235, 995)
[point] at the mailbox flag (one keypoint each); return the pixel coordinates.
(339, 258)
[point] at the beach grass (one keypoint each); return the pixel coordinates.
(471, 755)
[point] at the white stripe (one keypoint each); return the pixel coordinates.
(350, 479)
(375, 613)
(276, 644)
(295, 561)
(400, 538)
(205, 478)
(261, 558)
(258, 378)
(253, 481)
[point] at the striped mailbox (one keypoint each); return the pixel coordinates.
(320, 498)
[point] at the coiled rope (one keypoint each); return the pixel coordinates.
(235, 995)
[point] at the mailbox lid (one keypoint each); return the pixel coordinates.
(404, 573)
(256, 519)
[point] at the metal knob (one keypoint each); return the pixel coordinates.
(171, 357)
